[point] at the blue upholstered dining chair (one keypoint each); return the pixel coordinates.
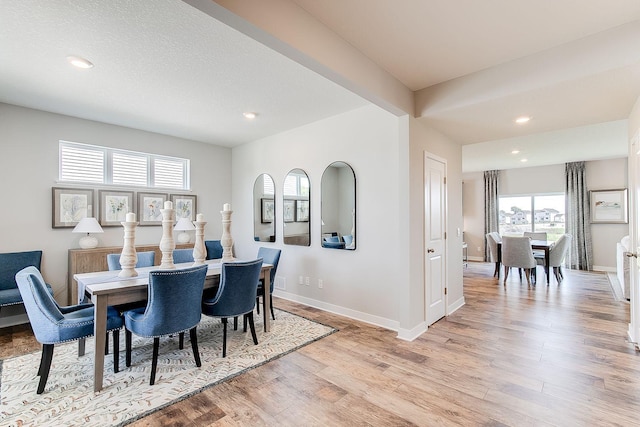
(10, 264)
(269, 256)
(235, 296)
(173, 306)
(182, 255)
(214, 249)
(145, 259)
(53, 324)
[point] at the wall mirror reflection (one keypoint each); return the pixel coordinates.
(338, 200)
(296, 208)
(264, 209)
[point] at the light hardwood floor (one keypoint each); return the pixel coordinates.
(513, 355)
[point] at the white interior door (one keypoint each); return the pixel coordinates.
(435, 237)
(634, 231)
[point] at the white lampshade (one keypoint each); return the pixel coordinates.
(88, 225)
(184, 225)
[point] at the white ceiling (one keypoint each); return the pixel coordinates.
(166, 67)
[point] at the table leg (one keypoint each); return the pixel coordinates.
(266, 301)
(546, 263)
(99, 334)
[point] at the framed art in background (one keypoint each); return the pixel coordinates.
(185, 206)
(609, 206)
(268, 210)
(70, 205)
(149, 205)
(302, 210)
(114, 206)
(288, 210)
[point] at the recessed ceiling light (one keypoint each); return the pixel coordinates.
(522, 120)
(515, 151)
(523, 160)
(250, 115)
(79, 62)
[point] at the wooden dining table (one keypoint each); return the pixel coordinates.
(544, 245)
(105, 288)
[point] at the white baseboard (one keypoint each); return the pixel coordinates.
(476, 258)
(455, 305)
(412, 334)
(603, 268)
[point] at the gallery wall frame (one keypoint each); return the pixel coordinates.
(267, 210)
(114, 206)
(288, 210)
(609, 206)
(70, 205)
(302, 210)
(149, 205)
(185, 205)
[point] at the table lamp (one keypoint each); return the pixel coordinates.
(184, 225)
(88, 225)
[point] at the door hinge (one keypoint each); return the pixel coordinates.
(445, 235)
(445, 291)
(445, 180)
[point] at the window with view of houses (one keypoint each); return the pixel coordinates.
(537, 213)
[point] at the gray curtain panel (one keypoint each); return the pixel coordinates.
(578, 209)
(491, 218)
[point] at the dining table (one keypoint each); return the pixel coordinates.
(106, 288)
(544, 245)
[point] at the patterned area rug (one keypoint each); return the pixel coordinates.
(127, 396)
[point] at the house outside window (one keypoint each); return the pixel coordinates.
(536, 213)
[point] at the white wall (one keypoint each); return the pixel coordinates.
(362, 283)
(601, 174)
(29, 164)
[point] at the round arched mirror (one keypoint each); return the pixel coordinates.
(264, 209)
(338, 201)
(296, 197)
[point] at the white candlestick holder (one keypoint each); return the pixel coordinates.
(167, 244)
(199, 250)
(128, 257)
(226, 240)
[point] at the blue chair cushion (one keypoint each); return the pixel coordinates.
(10, 265)
(214, 249)
(182, 255)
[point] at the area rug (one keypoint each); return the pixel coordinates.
(69, 399)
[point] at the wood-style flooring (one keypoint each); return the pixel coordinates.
(513, 355)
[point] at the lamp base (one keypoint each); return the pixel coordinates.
(88, 242)
(184, 237)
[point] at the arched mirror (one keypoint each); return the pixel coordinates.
(338, 201)
(296, 208)
(264, 209)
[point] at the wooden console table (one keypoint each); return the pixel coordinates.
(92, 260)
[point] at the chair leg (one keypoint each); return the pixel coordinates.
(257, 305)
(193, 335)
(45, 366)
(244, 323)
(127, 339)
(224, 337)
(273, 316)
(235, 323)
(520, 273)
(116, 350)
(497, 270)
(252, 326)
(527, 272)
(106, 344)
(181, 340)
(506, 273)
(154, 360)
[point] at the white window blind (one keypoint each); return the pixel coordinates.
(267, 185)
(109, 166)
(290, 185)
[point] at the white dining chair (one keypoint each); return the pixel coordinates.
(516, 252)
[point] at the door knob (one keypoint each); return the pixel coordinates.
(430, 251)
(631, 254)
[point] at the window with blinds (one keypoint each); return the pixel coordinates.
(102, 165)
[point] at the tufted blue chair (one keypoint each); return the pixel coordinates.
(235, 296)
(183, 255)
(145, 259)
(10, 264)
(53, 324)
(173, 306)
(516, 252)
(214, 249)
(269, 256)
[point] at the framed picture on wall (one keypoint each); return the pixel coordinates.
(149, 205)
(114, 206)
(609, 206)
(302, 210)
(70, 205)
(288, 210)
(267, 210)
(185, 206)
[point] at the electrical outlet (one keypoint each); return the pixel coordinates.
(307, 281)
(320, 284)
(479, 249)
(301, 280)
